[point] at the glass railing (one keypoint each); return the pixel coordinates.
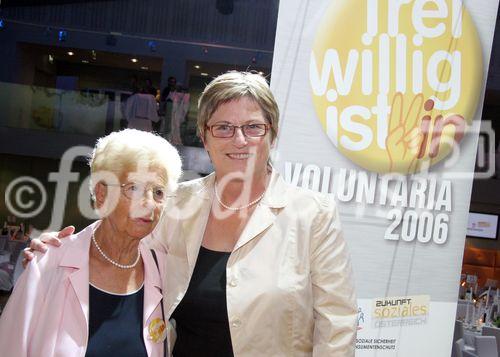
(91, 112)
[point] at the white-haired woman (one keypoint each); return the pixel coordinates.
(255, 266)
(101, 293)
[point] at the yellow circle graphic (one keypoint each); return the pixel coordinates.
(396, 83)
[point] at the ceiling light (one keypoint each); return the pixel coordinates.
(144, 67)
(135, 60)
(197, 66)
(204, 74)
(70, 53)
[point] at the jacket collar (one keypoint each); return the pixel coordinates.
(152, 273)
(152, 289)
(266, 212)
(202, 191)
(276, 193)
(77, 253)
(76, 256)
(275, 196)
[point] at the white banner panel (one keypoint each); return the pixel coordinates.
(380, 107)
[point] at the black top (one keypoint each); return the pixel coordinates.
(115, 324)
(201, 317)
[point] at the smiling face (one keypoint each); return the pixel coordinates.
(248, 155)
(137, 216)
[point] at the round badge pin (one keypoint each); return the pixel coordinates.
(157, 330)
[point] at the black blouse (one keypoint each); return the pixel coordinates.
(201, 317)
(115, 324)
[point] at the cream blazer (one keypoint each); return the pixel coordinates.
(290, 289)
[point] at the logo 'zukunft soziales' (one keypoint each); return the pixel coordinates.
(396, 82)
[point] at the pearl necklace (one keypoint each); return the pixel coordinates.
(121, 266)
(236, 208)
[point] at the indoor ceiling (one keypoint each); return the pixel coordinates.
(97, 58)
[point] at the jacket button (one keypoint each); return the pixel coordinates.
(233, 283)
(236, 323)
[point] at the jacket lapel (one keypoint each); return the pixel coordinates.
(262, 218)
(200, 200)
(193, 228)
(78, 258)
(152, 291)
(266, 211)
(152, 283)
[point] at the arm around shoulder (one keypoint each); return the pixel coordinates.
(335, 308)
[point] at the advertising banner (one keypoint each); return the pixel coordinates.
(381, 107)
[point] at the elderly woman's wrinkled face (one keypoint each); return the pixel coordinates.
(137, 202)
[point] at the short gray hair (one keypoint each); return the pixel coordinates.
(234, 85)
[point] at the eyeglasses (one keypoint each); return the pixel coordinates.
(136, 191)
(228, 130)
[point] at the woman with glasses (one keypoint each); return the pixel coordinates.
(100, 294)
(262, 267)
(256, 267)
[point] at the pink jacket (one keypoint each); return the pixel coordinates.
(48, 311)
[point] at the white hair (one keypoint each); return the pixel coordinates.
(130, 150)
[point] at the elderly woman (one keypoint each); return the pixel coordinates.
(255, 266)
(101, 293)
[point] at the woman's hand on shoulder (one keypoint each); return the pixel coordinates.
(42, 243)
